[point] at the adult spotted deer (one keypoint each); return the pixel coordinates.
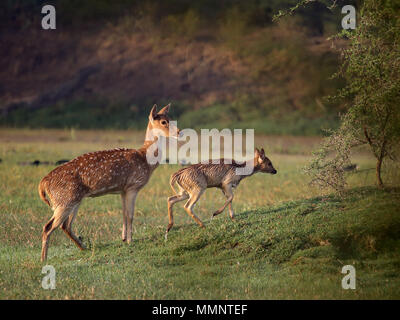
(192, 181)
(123, 171)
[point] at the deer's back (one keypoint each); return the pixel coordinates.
(97, 173)
(207, 175)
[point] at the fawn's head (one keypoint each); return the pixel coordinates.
(262, 163)
(160, 125)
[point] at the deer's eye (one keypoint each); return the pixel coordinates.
(164, 123)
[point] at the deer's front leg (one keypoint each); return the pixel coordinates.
(124, 216)
(227, 190)
(130, 199)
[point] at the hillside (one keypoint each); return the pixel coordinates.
(292, 250)
(230, 71)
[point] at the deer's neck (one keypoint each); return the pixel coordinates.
(149, 138)
(249, 163)
(151, 144)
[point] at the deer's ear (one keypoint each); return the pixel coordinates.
(262, 154)
(165, 110)
(153, 113)
(258, 156)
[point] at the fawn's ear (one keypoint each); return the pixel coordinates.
(262, 154)
(153, 113)
(257, 156)
(165, 110)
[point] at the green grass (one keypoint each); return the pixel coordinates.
(289, 241)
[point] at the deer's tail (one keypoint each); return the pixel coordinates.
(42, 192)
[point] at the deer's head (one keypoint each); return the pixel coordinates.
(262, 163)
(160, 124)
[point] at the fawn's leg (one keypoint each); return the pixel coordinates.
(231, 212)
(67, 228)
(194, 197)
(227, 190)
(124, 216)
(59, 216)
(130, 200)
(171, 201)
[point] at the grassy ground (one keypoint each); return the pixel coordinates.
(289, 240)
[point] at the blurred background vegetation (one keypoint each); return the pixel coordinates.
(222, 64)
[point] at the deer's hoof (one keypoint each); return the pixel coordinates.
(81, 245)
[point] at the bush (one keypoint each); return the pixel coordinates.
(371, 65)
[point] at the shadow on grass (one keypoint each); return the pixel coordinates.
(329, 226)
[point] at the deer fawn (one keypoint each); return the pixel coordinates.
(123, 171)
(194, 180)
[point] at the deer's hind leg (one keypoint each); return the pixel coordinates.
(231, 212)
(189, 205)
(58, 218)
(67, 228)
(124, 216)
(171, 201)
